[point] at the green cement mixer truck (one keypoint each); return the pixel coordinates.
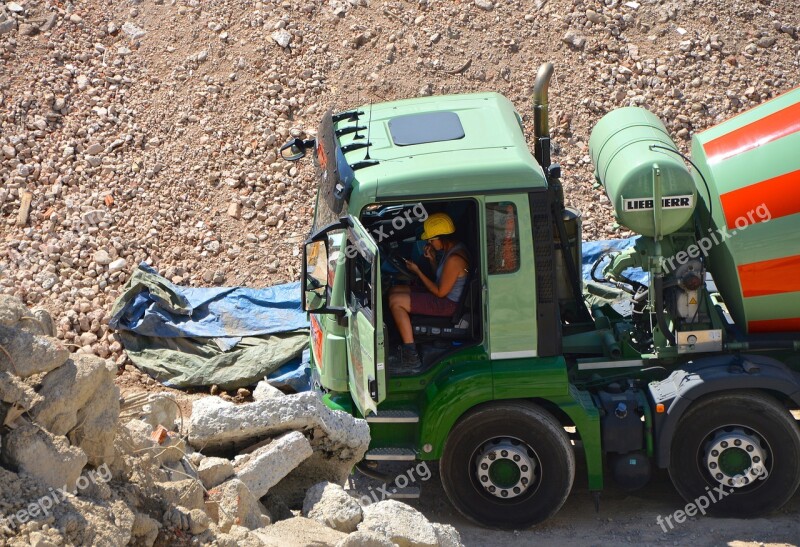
(681, 352)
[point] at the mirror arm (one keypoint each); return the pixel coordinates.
(323, 232)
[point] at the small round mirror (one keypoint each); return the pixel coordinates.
(293, 150)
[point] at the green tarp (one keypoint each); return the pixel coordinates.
(192, 362)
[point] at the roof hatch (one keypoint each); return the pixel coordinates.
(425, 127)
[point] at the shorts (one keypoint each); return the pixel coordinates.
(424, 303)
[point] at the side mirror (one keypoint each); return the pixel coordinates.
(315, 279)
(295, 149)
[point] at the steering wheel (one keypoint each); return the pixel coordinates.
(399, 263)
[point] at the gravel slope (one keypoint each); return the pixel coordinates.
(148, 130)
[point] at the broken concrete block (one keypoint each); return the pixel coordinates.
(139, 433)
(339, 440)
(29, 354)
(264, 390)
(329, 504)
(214, 471)
(187, 493)
(48, 457)
(447, 535)
(233, 503)
(97, 422)
(172, 449)
(265, 467)
(365, 539)
(12, 310)
(162, 409)
(15, 392)
(82, 391)
(195, 521)
(44, 323)
(145, 528)
(298, 532)
(239, 536)
(179, 470)
(400, 523)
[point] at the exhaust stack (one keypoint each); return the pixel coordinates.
(541, 123)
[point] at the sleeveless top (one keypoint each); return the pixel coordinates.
(461, 282)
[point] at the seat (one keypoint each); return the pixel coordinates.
(455, 327)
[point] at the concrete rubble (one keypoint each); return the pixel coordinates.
(214, 471)
(338, 440)
(401, 523)
(268, 465)
(265, 390)
(100, 468)
(329, 504)
(82, 402)
(41, 454)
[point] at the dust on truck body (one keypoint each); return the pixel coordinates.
(691, 366)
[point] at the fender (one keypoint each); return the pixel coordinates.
(714, 375)
(452, 393)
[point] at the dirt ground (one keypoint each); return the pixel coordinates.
(623, 519)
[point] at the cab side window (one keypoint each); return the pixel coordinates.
(502, 237)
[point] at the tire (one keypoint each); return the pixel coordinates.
(521, 431)
(753, 487)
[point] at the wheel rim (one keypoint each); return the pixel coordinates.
(506, 467)
(736, 456)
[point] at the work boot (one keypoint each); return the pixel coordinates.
(409, 358)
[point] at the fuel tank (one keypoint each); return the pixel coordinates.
(649, 185)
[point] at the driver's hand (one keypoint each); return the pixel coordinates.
(412, 267)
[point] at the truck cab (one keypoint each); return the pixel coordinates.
(534, 360)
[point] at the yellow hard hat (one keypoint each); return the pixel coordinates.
(438, 224)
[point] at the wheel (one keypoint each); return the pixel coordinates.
(740, 451)
(508, 465)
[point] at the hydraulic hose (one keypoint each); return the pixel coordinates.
(658, 287)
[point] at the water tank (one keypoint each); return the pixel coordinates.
(634, 161)
(750, 214)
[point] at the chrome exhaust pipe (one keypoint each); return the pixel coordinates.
(541, 123)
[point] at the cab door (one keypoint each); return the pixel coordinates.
(363, 310)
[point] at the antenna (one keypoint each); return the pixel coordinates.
(358, 100)
(369, 129)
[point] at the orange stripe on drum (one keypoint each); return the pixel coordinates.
(775, 276)
(780, 195)
(758, 133)
(774, 325)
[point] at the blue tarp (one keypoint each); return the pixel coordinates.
(593, 249)
(229, 336)
(207, 312)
